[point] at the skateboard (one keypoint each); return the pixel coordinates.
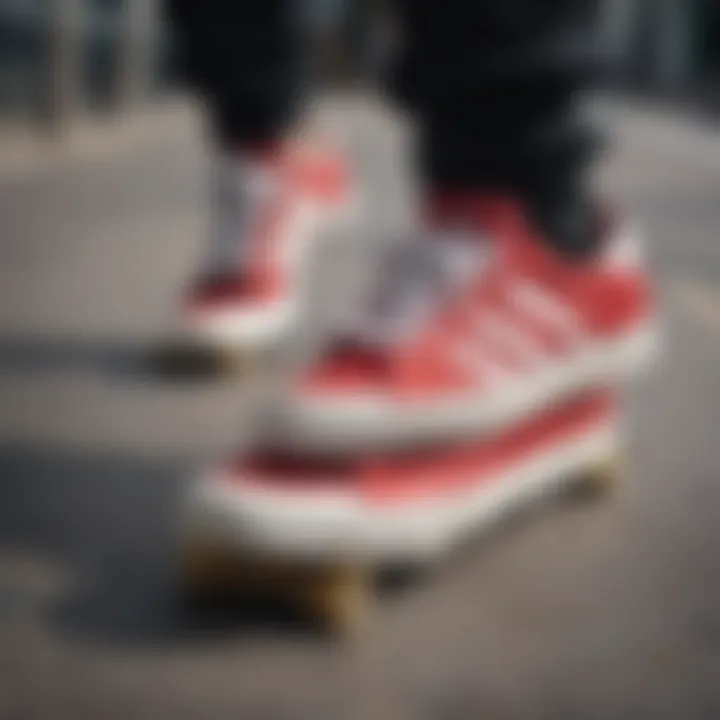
(179, 357)
(317, 534)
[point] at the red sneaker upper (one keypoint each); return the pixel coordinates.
(527, 305)
(307, 183)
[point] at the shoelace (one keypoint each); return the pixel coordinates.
(415, 282)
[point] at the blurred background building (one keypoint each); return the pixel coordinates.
(59, 58)
(667, 46)
(63, 57)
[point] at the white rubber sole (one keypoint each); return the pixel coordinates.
(330, 527)
(361, 423)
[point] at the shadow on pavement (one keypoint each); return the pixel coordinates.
(108, 522)
(68, 353)
(115, 360)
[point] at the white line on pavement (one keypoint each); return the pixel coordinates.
(701, 301)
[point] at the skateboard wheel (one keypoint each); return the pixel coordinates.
(181, 360)
(601, 479)
(336, 597)
(342, 601)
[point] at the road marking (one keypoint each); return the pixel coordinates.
(701, 301)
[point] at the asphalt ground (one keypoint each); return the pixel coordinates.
(602, 611)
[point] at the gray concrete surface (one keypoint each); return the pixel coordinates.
(601, 612)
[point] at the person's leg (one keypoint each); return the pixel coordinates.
(498, 86)
(246, 62)
(270, 198)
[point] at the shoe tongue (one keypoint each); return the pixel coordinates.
(461, 253)
(416, 281)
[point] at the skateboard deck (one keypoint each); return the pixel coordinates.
(317, 535)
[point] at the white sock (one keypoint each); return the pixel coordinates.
(240, 186)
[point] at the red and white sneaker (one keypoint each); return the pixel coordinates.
(411, 507)
(484, 340)
(271, 207)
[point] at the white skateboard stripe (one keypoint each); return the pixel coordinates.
(337, 527)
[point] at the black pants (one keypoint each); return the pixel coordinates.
(495, 85)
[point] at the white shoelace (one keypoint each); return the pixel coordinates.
(415, 281)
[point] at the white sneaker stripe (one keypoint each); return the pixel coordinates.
(480, 366)
(502, 331)
(543, 307)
